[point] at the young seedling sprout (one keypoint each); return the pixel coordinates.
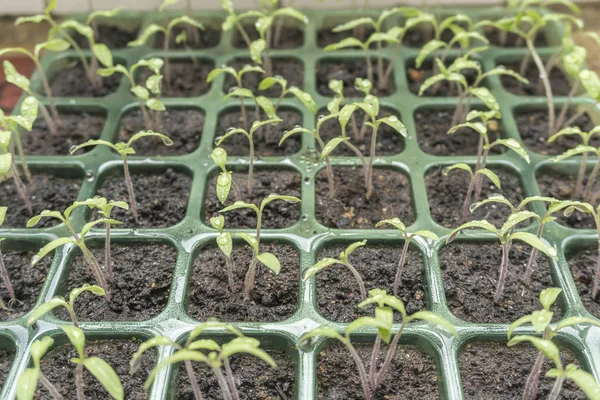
(28, 380)
(255, 126)
(337, 87)
(124, 150)
(153, 84)
(206, 351)
(225, 244)
(386, 305)
(168, 31)
(8, 166)
(408, 237)
(343, 260)
(540, 320)
(582, 149)
(264, 23)
(224, 181)
(59, 301)
(305, 98)
(269, 260)
(3, 270)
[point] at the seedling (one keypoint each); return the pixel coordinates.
(224, 181)
(75, 239)
(124, 150)
(206, 351)
(27, 382)
(395, 222)
(343, 260)
(168, 31)
(59, 301)
(13, 123)
(8, 165)
(385, 306)
(56, 45)
(255, 126)
(264, 22)
(225, 244)
(152, 85)
(540, 320)
(305, 98)
(269, 260)
(91, 20)
(582, 149)
(507, 235)
(3, 270)
(337, 86)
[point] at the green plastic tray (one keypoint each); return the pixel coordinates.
(307, 235)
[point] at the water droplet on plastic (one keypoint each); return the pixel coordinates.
(233, 89)
(321, 117)
(307, 180)
(297, 126)
(223, 66)
(89, 176)
(229, 129)
(72, 149)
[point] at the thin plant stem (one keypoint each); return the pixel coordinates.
(21, 153)
(467, 202)
(523, 67)
(145, 115)
(574, 118)
(129, 185)
(47, 90)
(267, 65)
(244, 34)
(5, 277)
(244, 114)
(167, 63)
(547, 87)
(581, 175)
(369, 66)
(384, 79)
(362, 159)
(389, 356)
(374, 358)
(563, 111)
(107, 258)
(79, 381)
(94, 79)
(363, 128)
(251, 167)
(364, 380)
(361, 283)
(230, 380)
(401, 263)
(222, 383)
(532, 263)
(71, 312)
(591, 180)
(503, 272)
(597, 276)
(531, 385)
(49, 386)
(370, 165)
(49, 121)
(379, 64)
(327, 165)
(96, 270)
(20, 187)
(556, 388)
(479, 178)
(193, 381)
(250, 276)
(230, 274)
(355, 130)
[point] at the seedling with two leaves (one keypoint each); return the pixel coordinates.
(337, 87)
(124, 150)
(269, 260)
(385, 306)
(224, 181)
(207, 351)
(541, 321)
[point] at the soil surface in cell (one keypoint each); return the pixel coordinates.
(558, 81)
(289, 68)
(140, 287)
(27, 281)
(533, 128)
(111, 35)
(60, 371)
(583, 269)
(73, 82)
(338, 293)
(184, 127)
(45, 192)
(254, 379)
(274, 298)
(161, 198)
(470, 272)
(496, 372)
(562, 186)
(432, 132)
(421, 35)
(389, 141)
(347, 71)
(265, 139)
(188, 79)
(277, 214)
(289, 37)
(337, 375)
(6, 359)
(447, 194)
(349, 209)
(504, 39)
(196, 38)
(75, 129)
(417, 76)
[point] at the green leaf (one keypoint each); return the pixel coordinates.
(156, 105)
(263, 24)
(83, 30)
(50, 247)
(239, 92)
(34, 19)
(481, 224)
(572, 130)
(322, 331)
(179, 356)
(219, 156)
(259, 124)
(575, 321)
(267, 106)
(269, 81)
(239, 204)
(223, 186)
(353, 24)
(366, 322)
(251, 240)
(219, 71)
(27, 384)
(290, 12)
(167, 3)
(225, 243)
(13, 77)
(249, 346)
(204, 344)
(513, 145)
(184, 19)
(270, 261)
(336, 86)
(426, 234)
(218, 222)
(140, 92)
(93, 142)
(591, 83)
(463, 63)
(521, 321)
(289, 133)
(256, 49)
(451, 77)
(540, 319)
(464, 38)
(549, 349)
(87, 227)
(380, 37)
(97, 290)
(350, 249)
(435, 319)
(51, 6)
(5, 163)
(427, 49)
(153, 83)
(305, 98)
(382, 299)
(148, 344)
(331, 145)
(574, 61)
(212, 323)
(56, 45)
(386, 316)
(2, 214)
(29, 113)
(478, 127)
(45, 308)
(322, 264)
(345, 115)
(586, 381)
(461, 166)
(76, 337)
(393, 122)
(548, 296)
(343, 44)
(535, 242)
(394, 222)
(106, 375)
(146, 34)
(165, 139)
(516, 218)
(102, 14)
(580, 149)
(486, 97)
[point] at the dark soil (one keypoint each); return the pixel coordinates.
(417, 76)
(27, 281)
(583, 267)
(349, 209)
(60, 371)
(162, 198)
(347, 71)
(432, 133)
(558, 81)
(209, 37)
(46, 192)
(137, 294)
(411, 375)
(446, 196)
(325, 36)
(512, 39)
(496, 372)
(254, 379)
(76, 129)
(73, 82)
(111, 35)
(533, 128)
(338, 293)
(277, 214)
(290, 37)
(184, 127)
(238, 145)
(389, 141)
(470, 272)
(418, 37)
(187, 79)
(562, 187)
(274, 298)
(289, 68)
(6, 359)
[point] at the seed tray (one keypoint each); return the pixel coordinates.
(307, 235)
